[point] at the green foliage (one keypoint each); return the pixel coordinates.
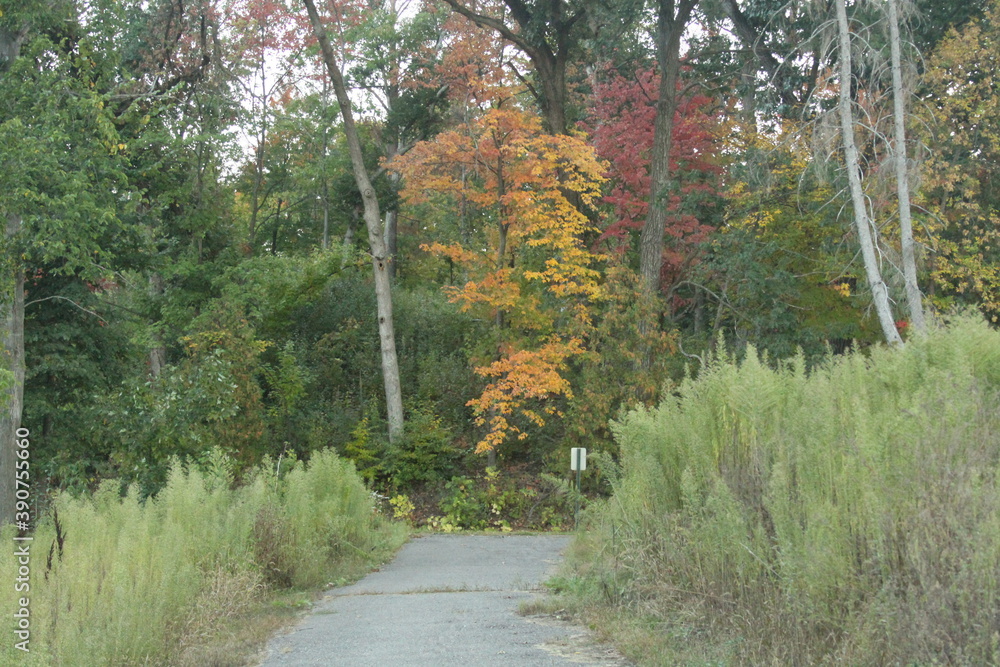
(362, 450)
(328, 516)
(129, 580)
(845, 514)
(959, 193)
(426, 454)
(211, 399)
(628, 366)
(505, 501)
(336, 339)
(402, 507)
(287, 381)
(776, 275)
(462, 505)
(79, 349)
(60, 163)
(234, 389)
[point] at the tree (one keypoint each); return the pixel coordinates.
(373, 221)
(936, 20)
(622, 128)
(261, 27)
(395, 51)
(862, 219)
(913, 297)
(265, 61)
(60, 175)
(777, 272)
(13, 32)
(783, 41)
(961, 178)
(527, 267)
(547, 32)
(671, 22)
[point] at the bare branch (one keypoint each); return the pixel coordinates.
(492, 23)
(63, 298)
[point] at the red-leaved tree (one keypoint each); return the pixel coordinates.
(621, 130)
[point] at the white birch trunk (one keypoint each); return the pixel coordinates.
(913, 297)
(376, 243)
(862, 221)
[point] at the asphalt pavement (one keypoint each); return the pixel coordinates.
(446, 600)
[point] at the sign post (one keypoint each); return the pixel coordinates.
(577, 462)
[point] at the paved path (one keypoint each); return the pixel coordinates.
(445, 600)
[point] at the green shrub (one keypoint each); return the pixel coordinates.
(138, 581)
(329, 514)
(848, 514)
(426, 454)
(365, 452)
(462, 505)
(506, 500)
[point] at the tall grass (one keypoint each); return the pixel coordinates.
(142, 582)
(850, 514)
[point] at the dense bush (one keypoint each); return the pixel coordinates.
(847, 514)
(504, 500)
(133, 581)
(427, 453)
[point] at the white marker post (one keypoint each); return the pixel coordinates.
(577, 462)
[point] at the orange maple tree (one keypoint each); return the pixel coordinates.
(522, 250)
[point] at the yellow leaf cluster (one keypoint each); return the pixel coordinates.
(521, 376)
(957, 190)
(520, 178)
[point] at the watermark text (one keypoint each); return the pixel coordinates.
(22, 541)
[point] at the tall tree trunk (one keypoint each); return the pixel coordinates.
(158, 353)
(277, 227)
(862, 221)
(699, 311)
(347, 244)
(391, 219)
(258, 164)
(763, 58)
(326, 185)
(10, 44)
(502, 232)
(376, 244)
(553, 98)
(669, 29)
(11, 323)
(548, 51)
(913, 297)
(326, 217)
(391, 150)
(12, 351)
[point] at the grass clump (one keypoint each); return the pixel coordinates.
(122, 580)
(847, 515)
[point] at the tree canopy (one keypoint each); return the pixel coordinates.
(421, 232)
